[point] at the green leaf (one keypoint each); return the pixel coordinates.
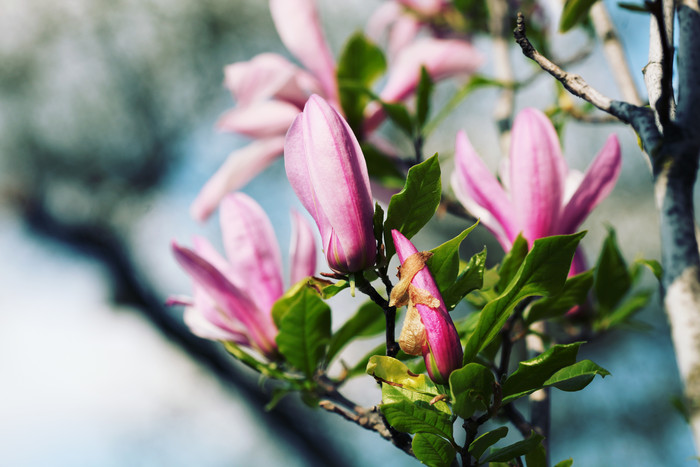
(433, 450)
(575, 12)
(543, 272)
(264, 368)
(577, 376)
(514, 450)
(444, 264)
(485, 441)
(417, 417)
(471, 388)
(411, 208)
(423, 93)
(612, 279)
(574, 293)
(304, 332)
(361, 63)
(653, 265)
(382, 167)
(537, 457)
(634, 7)
(392, 394)
(565, 463)
(470, 279)
(391, 370)
(283, 304)
(631, 305)
(511, 263)
(398, 114)
(378, 223)
(367, 321)
(361, 367)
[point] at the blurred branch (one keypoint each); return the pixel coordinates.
(498, 29)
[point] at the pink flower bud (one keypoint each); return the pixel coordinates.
(327, 171)
(428, 328)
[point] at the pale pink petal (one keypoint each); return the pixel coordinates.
(260, 120)
(233, 302)
(442, 58)
(269, 76)
(425, 7)
(299, 28)
(537, 187)
(481, 194)
(596, 185)
(302, 249)
(200, 326)
(403, 32)
(382, 20)
(240, 167)
(252, 248)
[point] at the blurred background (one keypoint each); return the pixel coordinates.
(107, 112)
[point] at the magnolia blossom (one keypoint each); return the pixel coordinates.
(428, 328)
(233, 296)
(270, 91)
(540, 195)
(327, 170)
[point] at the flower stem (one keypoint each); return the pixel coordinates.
(392, 347)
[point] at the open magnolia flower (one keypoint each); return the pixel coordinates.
(233, 297)
(540, 196)
(428, 329)
(270, 91)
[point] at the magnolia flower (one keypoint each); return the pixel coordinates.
(233, 297)
(428, 329)
(270, 91)
(540, 196)
(327, 170)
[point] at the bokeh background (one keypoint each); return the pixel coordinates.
(107, 112)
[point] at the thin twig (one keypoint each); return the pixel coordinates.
(392, 347)
(518, 420)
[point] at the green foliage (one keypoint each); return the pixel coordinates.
(518, 449)
(391, 370)
(537, 457)
(555, 367)
(367, 321)
(612, 280)
(635, 7)
(412, 208)
(304, 331)
(485, 441)
(543, 272)
(444, 265)
(361, 63)
(574, 293)
(565, 463)
(432, 450)
(471, 388)
(381, 167)
(575, 12)
(423, 94)
(264, 368)
(511, 263)
(418, 417)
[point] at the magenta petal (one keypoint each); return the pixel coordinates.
(240, 167)
(260, 119)
(327, 170)
(302, 249)
(536, 182)
(252, 248)
(481, 194)
(443, 352)
(596, 185)
(442, 58)
(236, 304)
(299, 28)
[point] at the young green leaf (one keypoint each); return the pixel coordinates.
(537, 457)
(565, 463)
(444, 264)
(398, 114)
(423, 93)
(577, 376)
(470, 279)
(432, 450)
(575, 12)
(418, 417)
(367, 321)
(631, 305)
(391, 370)
(574, 293)
(511, 263)
(485, 441)
(471, 388)
(304, 332)
(543, 272)
(518, 449)
(612, 279)
(412, 208)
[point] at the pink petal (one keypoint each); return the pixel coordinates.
(202, 327)
(481, 194)
(299, 28)
(391, 20)
(240, 167)
(302, 249)
(259, 120)
(252, 249)
(537, 185)
(424, 7)
(596, 185)
(327, 170)
(442, 58)
(269, 76)
(235, 303)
